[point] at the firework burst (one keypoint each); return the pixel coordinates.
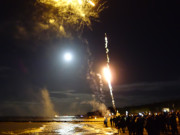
(74, 13)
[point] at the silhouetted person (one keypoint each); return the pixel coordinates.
(129, 124)
(132, 126)
(156, 125)
(114, 121)
(119, 127)
(173, 124)
(168, 122)
(153, 125)
(178, 115)
(128, 121)
(162, 118)
(111, 120)
(139, 126)
(105, 122)
(123, 124)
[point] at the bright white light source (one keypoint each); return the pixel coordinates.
(141, 114)
(166, 109)
(127, 113)
(68, 56)
(107, 74)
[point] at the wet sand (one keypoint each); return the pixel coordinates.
(55, 128)
(58, 128)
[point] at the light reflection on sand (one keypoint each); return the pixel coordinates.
(56, 128)
(69, 128)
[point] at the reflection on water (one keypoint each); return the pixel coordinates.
(65, 129)
(56, 128)
(66, 118)
(69, 128)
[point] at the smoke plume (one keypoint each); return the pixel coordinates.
(47, 104)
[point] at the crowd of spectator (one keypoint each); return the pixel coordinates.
(164, 123)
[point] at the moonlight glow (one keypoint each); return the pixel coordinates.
(68, 56)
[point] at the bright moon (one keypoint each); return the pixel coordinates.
(68, 56)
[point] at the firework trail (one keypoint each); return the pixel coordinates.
(108, 72)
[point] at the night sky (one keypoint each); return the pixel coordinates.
(144, 58)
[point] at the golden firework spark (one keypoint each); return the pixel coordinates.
(77, 13)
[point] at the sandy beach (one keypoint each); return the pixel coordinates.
(85, 127)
